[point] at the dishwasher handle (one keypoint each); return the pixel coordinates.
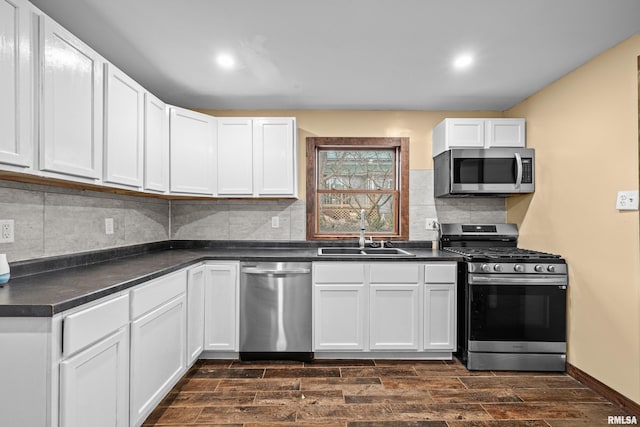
(278, 272)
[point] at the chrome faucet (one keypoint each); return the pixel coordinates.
(361, 239)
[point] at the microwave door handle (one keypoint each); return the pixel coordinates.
(518, 170)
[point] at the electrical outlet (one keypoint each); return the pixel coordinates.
(627, 201)
(431, 224)
(275, 222)
(6, 231)
(108, 226)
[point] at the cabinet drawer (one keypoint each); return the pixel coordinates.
(440, 273)
(156, 292)
(338, 273)
(394, 273)
(94, 323)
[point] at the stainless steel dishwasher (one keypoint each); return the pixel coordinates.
(275, 310)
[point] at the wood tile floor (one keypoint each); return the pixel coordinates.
(368, 393)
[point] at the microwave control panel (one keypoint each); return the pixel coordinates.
(527, 171)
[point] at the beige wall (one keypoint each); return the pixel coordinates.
(584, 128)
(416, 125)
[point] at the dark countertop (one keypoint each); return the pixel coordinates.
(50, 292)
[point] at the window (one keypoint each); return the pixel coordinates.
(348, 175)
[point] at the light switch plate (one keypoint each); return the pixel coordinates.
(627, 201)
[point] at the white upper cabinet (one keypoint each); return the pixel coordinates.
(275, 157)
(193, 144)
(16, 142)
(71, 104)
(257, 157)
(156, 144)
(235, 157)
(123, 129)
(504, 133)
(458, 133)
(478, 133)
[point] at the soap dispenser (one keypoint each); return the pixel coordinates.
(4, 269)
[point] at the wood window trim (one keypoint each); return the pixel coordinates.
(402, 144)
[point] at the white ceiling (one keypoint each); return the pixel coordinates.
(347, 54)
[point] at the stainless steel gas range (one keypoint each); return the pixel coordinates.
(512, 301)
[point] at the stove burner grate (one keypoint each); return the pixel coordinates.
(500, 253)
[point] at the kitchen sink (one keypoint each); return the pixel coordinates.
(365, 252)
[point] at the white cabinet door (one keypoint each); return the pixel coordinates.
(505, 133)
(439, 317)
(340, 317)
(71, 104)
(94, 384)
(193, 144)
(458, 133)
(158, 353)
(156, 144)
(395, 306)
(275, 157)
(195, 313)
(235, 157)
(394, 317)
(440, 306)
(16, 139)
(123, 129)
(221, 307)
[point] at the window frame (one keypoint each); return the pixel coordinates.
(400, 144)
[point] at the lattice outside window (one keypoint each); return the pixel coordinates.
(346, 175)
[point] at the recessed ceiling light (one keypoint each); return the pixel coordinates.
(226, 61)
(463, 61)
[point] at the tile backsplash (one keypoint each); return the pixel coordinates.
(53, 220)
(251, 219)
(237, 219)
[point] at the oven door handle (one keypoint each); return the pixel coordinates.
(543, 280)
(518, 170)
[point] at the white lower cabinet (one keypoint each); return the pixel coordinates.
(195, 313)
(384, 308)
(394, 306)
(221, 299)
(94, 371)
(94, 384)
(158, 342)
(340, 306)
(440, 307)
(439, 317)
(340, 313)
(394, 317)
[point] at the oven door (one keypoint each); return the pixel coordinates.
(498, 170)
(514, 313)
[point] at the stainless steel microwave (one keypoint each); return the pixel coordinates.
(484, 172)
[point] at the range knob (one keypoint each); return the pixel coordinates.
(551, 269)
(519, 268)
(539, 268)
(485, 268)
(497, 267)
